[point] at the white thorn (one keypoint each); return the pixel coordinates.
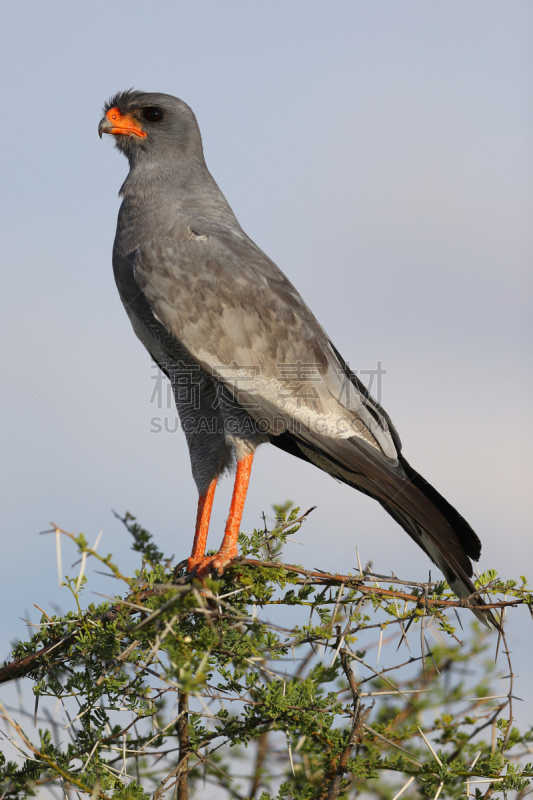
(58, 556)
(337, 652)
(439, 790)
(290, 752)
(95, 545)
(379, 646)
(433, 753)
(402, 790)
(82, 570)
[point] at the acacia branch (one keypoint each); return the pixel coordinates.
(357, 582)
(359, 717)
(21, 667)
(184, 746)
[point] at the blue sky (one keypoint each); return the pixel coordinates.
(381, 154)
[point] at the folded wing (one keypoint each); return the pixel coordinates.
(231, 308)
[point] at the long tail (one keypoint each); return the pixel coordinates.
(434, 524)
(443, 534)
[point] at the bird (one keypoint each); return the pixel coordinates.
(248, 361)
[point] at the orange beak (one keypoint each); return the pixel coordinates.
(114, 123)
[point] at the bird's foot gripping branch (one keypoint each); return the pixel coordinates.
(272, 681)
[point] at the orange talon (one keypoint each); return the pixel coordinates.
(205, 505)
(228, 550)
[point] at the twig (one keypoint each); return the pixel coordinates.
(184, 747)
(357, 722)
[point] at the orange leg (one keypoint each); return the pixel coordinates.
(205, 504)
(228, 550)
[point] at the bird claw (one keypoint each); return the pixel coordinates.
(201, 567)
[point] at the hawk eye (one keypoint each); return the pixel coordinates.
(152, 114)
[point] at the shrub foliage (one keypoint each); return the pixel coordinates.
(271, 681)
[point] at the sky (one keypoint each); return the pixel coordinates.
(381, 154)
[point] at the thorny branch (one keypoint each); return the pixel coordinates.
(237, 676)
(359, 716)
(184, 745)
(23, 666)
